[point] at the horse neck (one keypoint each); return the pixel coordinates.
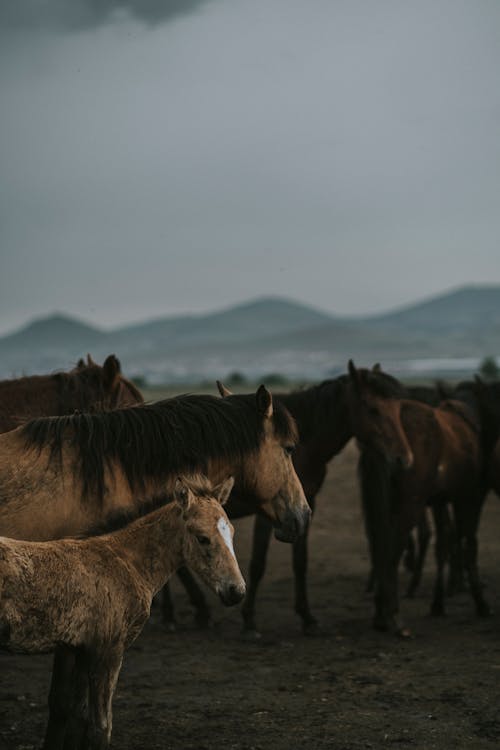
(28, 397)
(154, 545)
(323, 420)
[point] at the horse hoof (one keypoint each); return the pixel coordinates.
(203, 621)
(311, 629)
(380, 624)
(484, 610)
(404, 633)
(437, 610)
(251, 635)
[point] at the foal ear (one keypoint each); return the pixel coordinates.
(223, 490)
(224, 392)
(377, 367)
(90, 361)
(182, 495)
(111, 370)
(264, 402)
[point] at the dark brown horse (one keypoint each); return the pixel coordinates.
(322, 416)
(325, 418)
(436, 461)
(87, 388)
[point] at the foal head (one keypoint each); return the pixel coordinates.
(375, 405)
(208, 539)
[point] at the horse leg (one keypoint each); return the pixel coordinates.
(410, 555)
(456, 581)
(439, 511)
(299, 553)
(260, 544)
(77, 726)
(424, 536)
(470, 527)
(196, 597)
(167, 608)
(103, 670)
(60, 698)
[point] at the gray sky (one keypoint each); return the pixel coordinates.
(163, 157)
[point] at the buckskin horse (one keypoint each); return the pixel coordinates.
(61, 475)
(418, 456)
(88, 387)
(108, 584)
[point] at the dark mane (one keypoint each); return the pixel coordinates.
(382, 384)
(155, 440)
(322, 403)
(76, 387)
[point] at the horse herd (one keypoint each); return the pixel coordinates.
(104, 497)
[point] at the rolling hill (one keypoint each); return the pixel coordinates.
(269, 334)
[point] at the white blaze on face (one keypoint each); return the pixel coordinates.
(225, 533)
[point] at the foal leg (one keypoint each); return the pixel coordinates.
(60, 698)
(77, 725)
(167, 608)
(309, 623)
(260, 544)
(103, 671)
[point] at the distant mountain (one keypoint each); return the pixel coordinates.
(269, 334)
(464, 309)
(55, 330)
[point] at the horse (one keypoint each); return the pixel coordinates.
(87, 387)
(109, 583)
(322, 418)
(60, 475)
(413, 455)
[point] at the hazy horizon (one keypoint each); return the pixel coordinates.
(169, 157)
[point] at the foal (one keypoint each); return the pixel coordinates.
(92, 596)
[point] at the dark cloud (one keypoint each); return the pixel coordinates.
(82, 14)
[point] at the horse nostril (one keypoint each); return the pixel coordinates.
(232, 595)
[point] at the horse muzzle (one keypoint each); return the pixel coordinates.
(232, 594)
(292, 525)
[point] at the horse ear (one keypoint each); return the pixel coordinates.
(223, 490)
(182, 495)
(264, 402)
(111, 371)
(377, 367)
(90, 361)
(224, 392)
(80, 364)
(354, 373)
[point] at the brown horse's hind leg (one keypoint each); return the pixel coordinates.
(261, 535)
(309, 623)
(167, 608)
(60, 698)
(103, 671)
(470, 556)
(424, 536)
(439, 511)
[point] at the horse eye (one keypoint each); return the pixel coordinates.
(373, 411)
(289, 449)
(203, 539)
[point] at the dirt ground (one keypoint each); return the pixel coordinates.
(349, 688)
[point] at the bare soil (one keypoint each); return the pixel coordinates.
(349, 688)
